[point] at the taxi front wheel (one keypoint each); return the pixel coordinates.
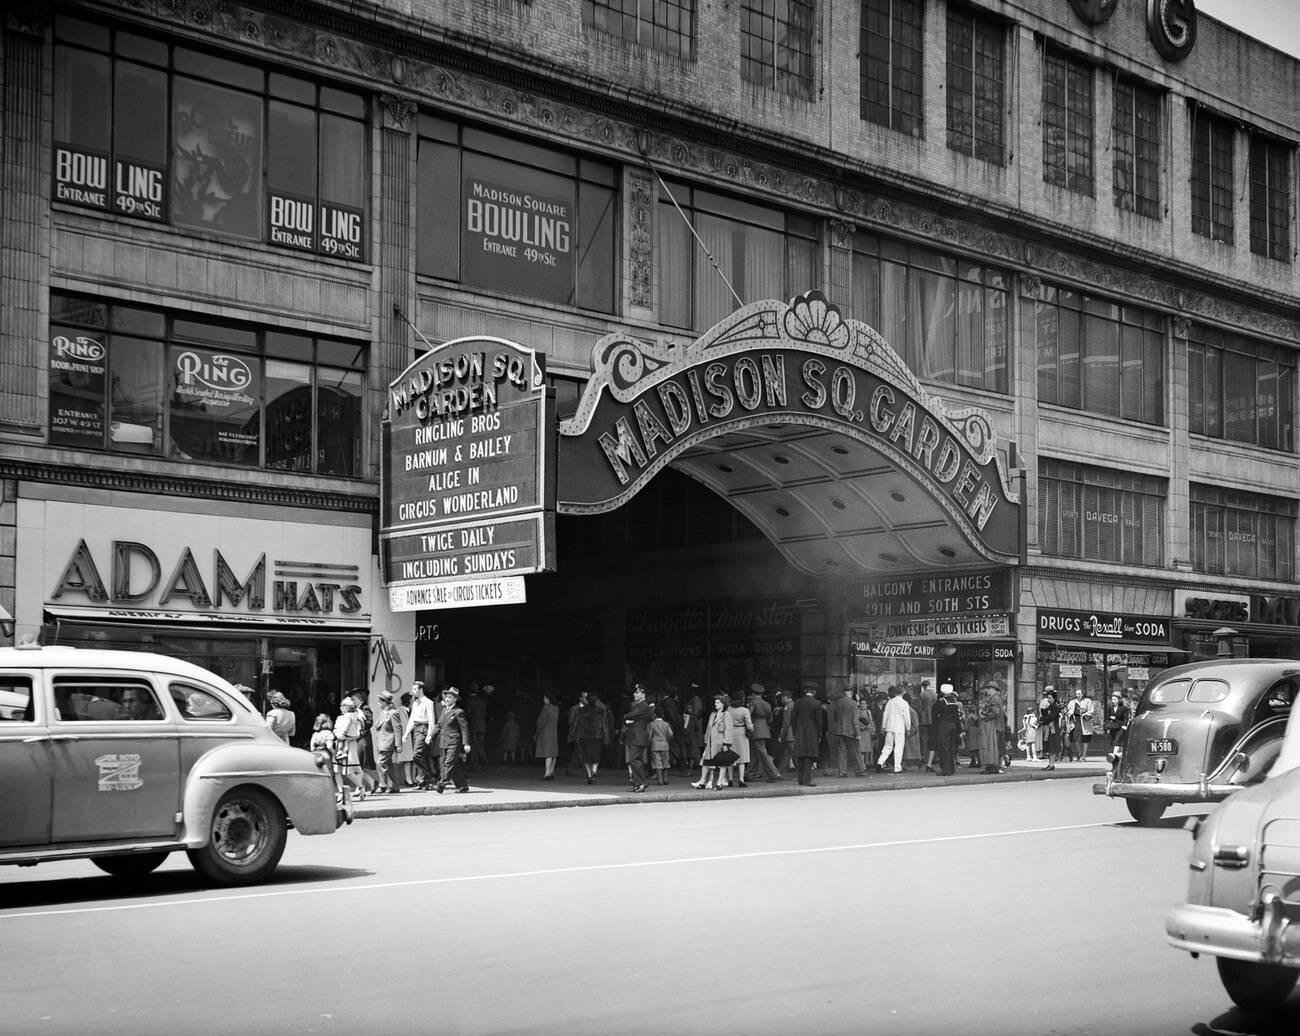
(136, 865)
(1256, 987)
(245, 841)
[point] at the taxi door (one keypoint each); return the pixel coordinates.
(25, 784)
(114, 758)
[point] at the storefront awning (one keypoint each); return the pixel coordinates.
(206, 622)
(1109, 647)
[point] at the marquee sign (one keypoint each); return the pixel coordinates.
(771, 362)
(468, 476)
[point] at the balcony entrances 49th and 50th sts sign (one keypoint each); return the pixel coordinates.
(468, 476)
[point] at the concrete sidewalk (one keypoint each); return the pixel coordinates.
(504, 787)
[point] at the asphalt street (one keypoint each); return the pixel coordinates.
(998, 908)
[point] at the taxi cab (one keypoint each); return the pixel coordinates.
(1201, 732)
(124, 757)
(1243, 899)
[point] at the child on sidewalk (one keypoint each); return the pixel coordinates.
(1029, 735)
(661, 742)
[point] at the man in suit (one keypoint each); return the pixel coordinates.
(806, 719)
(761, 713)
(636, 738)
(388, 736)
(453, 737)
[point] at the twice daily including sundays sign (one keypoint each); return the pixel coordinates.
(468, 479)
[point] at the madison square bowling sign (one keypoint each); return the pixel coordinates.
(468, 476)
(771, 362)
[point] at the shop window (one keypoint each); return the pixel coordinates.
(667, 26)
(499, 214)
(776, 44)
(975, 85)
(133, 380)
(1136, 147)
(1242, 534)
(1212, 160)
(1068, 122)
(176, 136)
(1270, 198)
(891, 67)
(757, 252)
(1100, 356)
(947, 317)
(1100, 515)
(1240, 389)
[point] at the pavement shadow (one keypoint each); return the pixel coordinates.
(1285, 1021)
(160, 884)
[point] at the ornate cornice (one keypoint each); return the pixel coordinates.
(161, 484)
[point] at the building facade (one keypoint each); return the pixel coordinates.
(228, 227)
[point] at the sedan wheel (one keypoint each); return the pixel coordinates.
(136, 865)
(245, 840)
(1145, 811)
(1256, 987)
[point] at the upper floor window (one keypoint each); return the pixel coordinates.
(776, 44)
(1212, 196)
(976, 83)
(667, 26)
(947, 317)
(1240, 389)
(1137, 148)
(133, 380)
(1270, 197)
(757, 252)
(1100, 515)
(1068, 122)
(891, 63)
(1100, 356)
(497, 213)
(1242, 534)
(167, 134)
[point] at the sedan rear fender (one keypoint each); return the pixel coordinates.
(290, 774)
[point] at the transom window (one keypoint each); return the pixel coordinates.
(1100, 515)
(1212, 158)
(1100, 356)
(134, 380)
(1242, 534)
(166, 134)
(1137, 148)
(976, 82)
(892, 63)
(1068, 122)
(776, 44)
(1270, 197)
(667, 26)
(1240, 389)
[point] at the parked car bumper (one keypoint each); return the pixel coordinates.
(1182, 791)
(1227, 933)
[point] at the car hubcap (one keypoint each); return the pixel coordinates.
(239, 832)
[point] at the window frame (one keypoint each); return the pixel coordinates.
(1210, 353)
(1069, 117)
(1213, 157)
(976, 85)
(1216, 513)
(890, 93)
(775, 50)
(1066, 489)
(648, 23)
(1136, 126)
(1270, 174)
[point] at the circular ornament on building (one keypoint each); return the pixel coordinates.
(1094, 12)
(1171, 24)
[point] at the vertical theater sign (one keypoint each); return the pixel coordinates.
(468, 476)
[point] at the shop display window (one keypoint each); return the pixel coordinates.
(170, 135)
(498, 213)
(133, 380)
(1100, 674)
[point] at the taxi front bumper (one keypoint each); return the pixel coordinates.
(1221, 932)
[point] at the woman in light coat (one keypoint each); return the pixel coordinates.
(742, 726)
(992, 720)
(717, 729)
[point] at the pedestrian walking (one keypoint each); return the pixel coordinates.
(742, 726)
(947, 728)
(388, 734)
(347, 734)
(421, 728)
(925, 714)
(761, 714)
(806, 721)
(636, 738)
(591, 730)
(365, 743)
(894, 725)
(546, 742)
(661, 747)
(280, 717)
(453, 742)
(1049, 717)
(1116, 720)
(842, 730)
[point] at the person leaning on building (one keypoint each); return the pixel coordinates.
(454, 743)
(420, 729)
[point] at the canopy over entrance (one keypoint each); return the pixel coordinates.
(814, 429)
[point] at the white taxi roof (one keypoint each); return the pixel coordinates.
(61, 656)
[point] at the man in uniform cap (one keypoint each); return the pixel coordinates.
(761, 713)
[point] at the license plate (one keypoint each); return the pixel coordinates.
(1162, 746)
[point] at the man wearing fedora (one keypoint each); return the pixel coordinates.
(388, 736)
(453, 737)
(806, 721)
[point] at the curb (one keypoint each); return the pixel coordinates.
(683, 792)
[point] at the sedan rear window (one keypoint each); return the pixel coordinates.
(92, 699)
(1208, 691)
(16, 700)
(1170, 693)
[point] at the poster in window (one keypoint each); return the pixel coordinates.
(78, 362)
(216, 158)
(215, 411)
(516, 238)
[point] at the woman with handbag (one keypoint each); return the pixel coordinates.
(347, 737)
(717, 728)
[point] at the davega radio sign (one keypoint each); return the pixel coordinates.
(468, 476)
